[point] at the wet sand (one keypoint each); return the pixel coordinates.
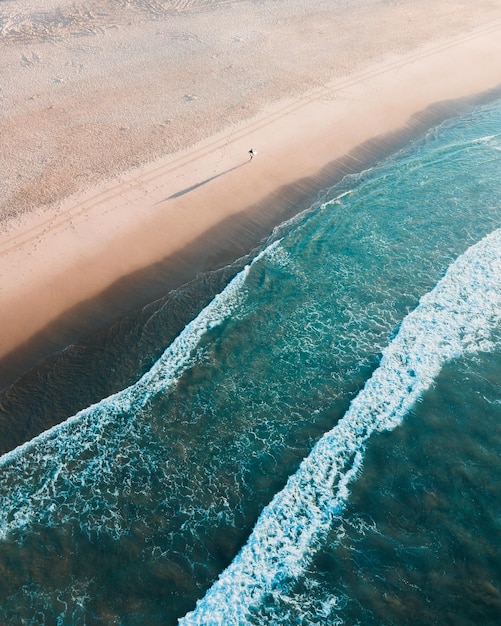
(126, 135)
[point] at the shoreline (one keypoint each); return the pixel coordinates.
(28, 406)
(74, 268)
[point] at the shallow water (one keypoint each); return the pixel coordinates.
(385, 295)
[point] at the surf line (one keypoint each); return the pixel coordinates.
(40, 466)
(455, 318)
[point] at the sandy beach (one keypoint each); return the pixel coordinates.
(125, 129)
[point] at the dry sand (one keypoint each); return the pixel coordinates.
(125, 127)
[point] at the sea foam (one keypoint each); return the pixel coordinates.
(58, 464)
(456, 317)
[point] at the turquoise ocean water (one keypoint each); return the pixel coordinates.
(320, 445)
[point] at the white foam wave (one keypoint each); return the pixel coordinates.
(456, 317)
(56, 463)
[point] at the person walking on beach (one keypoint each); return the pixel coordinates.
(252, 152)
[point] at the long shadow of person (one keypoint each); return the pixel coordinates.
(204, 182)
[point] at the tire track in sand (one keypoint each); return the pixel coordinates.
(56, 222)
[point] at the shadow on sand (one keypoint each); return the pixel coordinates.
(204, 182)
